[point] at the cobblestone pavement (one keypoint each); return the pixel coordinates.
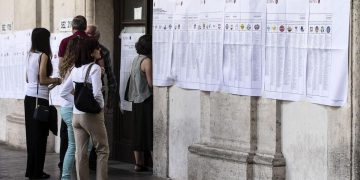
(13, 164)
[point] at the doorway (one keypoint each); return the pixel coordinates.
(124, 12)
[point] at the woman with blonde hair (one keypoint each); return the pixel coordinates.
(66, 65)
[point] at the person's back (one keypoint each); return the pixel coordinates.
(78, 75)
(85, 124)
(33, 69)
(139, 89)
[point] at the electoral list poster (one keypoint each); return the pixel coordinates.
(281, 49)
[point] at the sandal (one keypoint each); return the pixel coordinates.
(140, 168)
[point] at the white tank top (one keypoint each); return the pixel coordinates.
(32, 70)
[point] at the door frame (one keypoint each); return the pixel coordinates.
(119, 24)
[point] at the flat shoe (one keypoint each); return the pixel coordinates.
(43, 176)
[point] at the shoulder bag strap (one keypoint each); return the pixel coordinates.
(38, 78)
(87, 74)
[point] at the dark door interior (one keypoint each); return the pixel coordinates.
(124, 17)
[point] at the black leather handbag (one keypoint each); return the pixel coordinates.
(83, 95)
(41, 113)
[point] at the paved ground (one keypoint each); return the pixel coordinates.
(13, 164)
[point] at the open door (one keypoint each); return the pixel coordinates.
(131, 16)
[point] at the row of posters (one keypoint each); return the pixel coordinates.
(281, 49)
(14, 48)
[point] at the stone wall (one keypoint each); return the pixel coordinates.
(256, 138)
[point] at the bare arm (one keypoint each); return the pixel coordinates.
(44, 80)
(146, 67)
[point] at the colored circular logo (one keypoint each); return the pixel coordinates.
(328, 29)
(248, 27)
(242, 26)
(289, 28)
(282, 28)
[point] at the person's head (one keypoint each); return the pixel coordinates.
(79, 23)
(92, 31)
(40, 42)
(88, 52)
(70, 55)
(144, 46)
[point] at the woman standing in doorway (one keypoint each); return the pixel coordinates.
(140, 93)
(38, 71)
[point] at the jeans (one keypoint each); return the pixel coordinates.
(66, 114)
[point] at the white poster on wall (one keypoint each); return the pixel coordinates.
(286, 49)
(244, 46)
(128, 53)
(185, 66)
(55, 41)
(162, 36)
(327, 69)
(210, 38)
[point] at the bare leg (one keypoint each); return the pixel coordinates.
(139, 160)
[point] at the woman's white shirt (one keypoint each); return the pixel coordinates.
(64, 102)
(78, 75)
(32, 72)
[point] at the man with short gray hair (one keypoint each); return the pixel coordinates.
(79, 25)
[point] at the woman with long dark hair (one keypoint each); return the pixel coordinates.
(38, 71)
(88, 125)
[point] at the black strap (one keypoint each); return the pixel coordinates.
(38, 78)
(87, 74)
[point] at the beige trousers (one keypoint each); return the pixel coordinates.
(86, 126)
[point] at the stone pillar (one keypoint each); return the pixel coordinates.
(161, 132)
(268, 162)
(47, 13)
(224, 151)
(27, 18)
(87, 9)
(354, 75)
(80, 7)
(90, 11)
(240, 139)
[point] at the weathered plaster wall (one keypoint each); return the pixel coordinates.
(304, 130)
(184, 129)
(7, 11)
(6, 16)
(25, 14)
(104, 19)
(62, 9)
(8, 106)
(355, 88)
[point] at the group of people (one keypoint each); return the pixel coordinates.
(83, 60)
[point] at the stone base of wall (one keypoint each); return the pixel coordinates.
(16, 134)
(269, 167)
(205, 162)
(211, 163)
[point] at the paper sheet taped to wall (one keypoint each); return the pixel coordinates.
(288, 50)
(128, 53)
